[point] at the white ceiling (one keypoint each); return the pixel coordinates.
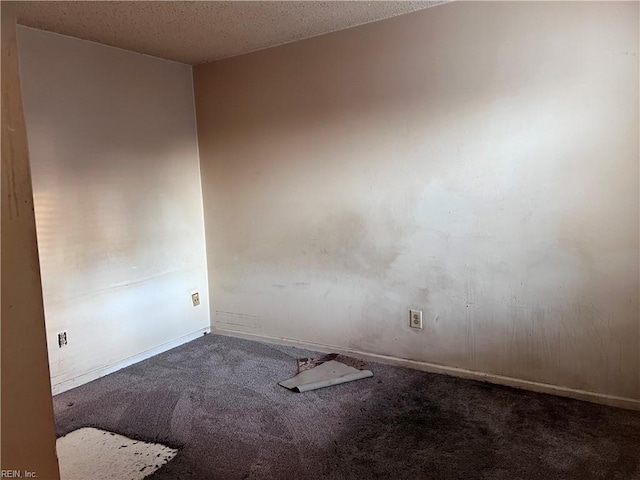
(195, 32)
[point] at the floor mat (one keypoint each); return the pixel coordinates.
(90, 453)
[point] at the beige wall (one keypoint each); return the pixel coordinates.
(118, 204)
(28, 436)
(477, 161)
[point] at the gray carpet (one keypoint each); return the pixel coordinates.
(218, 401)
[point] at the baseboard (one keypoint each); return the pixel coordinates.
(611, 400)
(114, 367)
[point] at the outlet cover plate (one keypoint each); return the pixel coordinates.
(195, 299)
(415, 319)
(63, 341)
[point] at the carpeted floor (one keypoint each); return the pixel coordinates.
(217, 399)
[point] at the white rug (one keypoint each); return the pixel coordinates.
(89, 453)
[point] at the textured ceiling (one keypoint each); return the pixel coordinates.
(197, 32)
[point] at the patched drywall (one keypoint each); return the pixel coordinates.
(118, 204)
(477, 161)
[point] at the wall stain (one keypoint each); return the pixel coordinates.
(344, 242)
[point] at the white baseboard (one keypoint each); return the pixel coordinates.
(113, 367)
(611, 400)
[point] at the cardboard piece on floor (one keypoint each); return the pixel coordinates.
(324, 375)
(90, 453)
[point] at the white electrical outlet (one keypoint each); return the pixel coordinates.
(415, 318)
(62, 339)
(195, 299)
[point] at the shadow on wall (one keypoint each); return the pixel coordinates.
(117, 218)
(118, 204)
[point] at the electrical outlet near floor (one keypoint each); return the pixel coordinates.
(62, 339)
(195, 299)
(415, 318)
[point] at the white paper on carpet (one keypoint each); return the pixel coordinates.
(324, 375)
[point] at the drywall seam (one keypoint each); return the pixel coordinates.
(114, 367)
(600, 398)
